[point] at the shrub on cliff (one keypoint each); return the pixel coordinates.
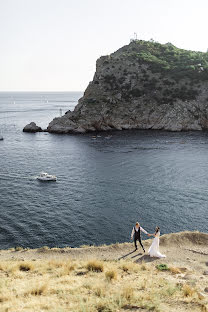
(169, 60)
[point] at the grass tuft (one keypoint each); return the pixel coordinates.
(3, 299)
(110, 275)
(43, 249)
(143, 266)
(128, 293)
(125, 268)
(25, 267)
(56, 264)
(37, 290)
(175, 270)
(18, 248)
(128, 267)
(103, 307)
(95, 266)
(99, 291)
(188, 291)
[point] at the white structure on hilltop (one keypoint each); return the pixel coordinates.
(135, 38)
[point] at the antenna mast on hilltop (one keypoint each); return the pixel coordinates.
(135, 37)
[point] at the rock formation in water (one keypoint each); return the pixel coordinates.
(144, 85)
(32, 127)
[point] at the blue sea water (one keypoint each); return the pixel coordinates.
(104, 185)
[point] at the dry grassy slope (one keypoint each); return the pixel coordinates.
(69, 280)
(175, 245)
(188, 249)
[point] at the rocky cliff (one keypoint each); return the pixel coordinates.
(144, 85)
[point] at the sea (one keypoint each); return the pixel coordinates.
(104, 183)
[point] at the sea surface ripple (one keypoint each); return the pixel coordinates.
(104, 184)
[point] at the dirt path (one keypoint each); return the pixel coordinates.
(188, 249)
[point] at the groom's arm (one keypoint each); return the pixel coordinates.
(143, 230)
(132, 233)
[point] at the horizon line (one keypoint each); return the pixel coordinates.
(41, 91)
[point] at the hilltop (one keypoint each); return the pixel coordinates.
(143, 85)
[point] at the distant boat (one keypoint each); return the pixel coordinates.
(108, 137)
(44, 176)
(94, 137)
(1, 138)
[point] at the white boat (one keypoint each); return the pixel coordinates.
(44, 176)
(108, 137)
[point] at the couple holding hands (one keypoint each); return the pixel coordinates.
(154, 248)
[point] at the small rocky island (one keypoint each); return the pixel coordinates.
(32, 127)
(143, 85)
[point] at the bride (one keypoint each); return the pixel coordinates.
(154, 248)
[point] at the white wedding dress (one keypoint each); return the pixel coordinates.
(154, 248)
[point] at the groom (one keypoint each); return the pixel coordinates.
(136, 234)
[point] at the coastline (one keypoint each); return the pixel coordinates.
(187, 241)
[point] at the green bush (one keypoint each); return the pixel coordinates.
(169, 60)
(162, 267)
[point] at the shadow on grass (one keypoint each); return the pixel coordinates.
(145, 258)
(126, 255)
(139, 254)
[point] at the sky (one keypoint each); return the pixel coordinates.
(52, 45)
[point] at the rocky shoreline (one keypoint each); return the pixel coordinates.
(144, 85)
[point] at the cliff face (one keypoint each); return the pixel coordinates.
(144, 85)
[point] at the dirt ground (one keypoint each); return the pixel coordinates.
(188, 249)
